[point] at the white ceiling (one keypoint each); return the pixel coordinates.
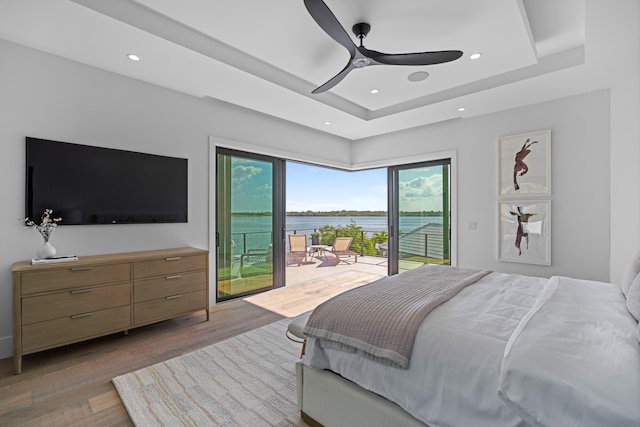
(267, 56)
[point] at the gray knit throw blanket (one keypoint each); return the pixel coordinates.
(380, 320)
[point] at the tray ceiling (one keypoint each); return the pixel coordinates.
(267, 56)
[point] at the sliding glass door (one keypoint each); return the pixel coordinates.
(419, 215)
(249, 223)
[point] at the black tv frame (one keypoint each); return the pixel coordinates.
(88, 185)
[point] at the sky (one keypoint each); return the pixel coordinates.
(314, 188)
(322, 189)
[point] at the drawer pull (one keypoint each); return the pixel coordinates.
(177, 276)
(173, 297)
(81, 291)
(81, 268)
(79, 316)
(175, 258)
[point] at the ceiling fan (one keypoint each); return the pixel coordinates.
(361, 56)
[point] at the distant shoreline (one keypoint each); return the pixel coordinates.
(343, 213)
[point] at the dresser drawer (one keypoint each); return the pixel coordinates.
(168, 307)
(53, 333)
(169, 265)
(73, 277)
(159, 287)
(81, 300)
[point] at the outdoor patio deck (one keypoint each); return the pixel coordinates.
(317, 280)
(319, 266)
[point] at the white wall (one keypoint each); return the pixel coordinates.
(49, 97)
(580, 171)
(613, 41)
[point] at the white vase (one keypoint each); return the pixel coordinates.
(46, 251)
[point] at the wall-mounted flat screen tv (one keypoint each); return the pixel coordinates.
(93, 185)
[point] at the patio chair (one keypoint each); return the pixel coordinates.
(341, 248)
(297, 248)
(383, 248)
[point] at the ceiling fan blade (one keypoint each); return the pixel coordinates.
(334, 80)
(329, 23)
(423, 58)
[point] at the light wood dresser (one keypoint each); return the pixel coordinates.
(62, 303)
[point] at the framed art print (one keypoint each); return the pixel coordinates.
(524, 164)
(525, 231)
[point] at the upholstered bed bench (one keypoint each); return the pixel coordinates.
(295, 330)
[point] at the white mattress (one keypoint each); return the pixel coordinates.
(453, 377)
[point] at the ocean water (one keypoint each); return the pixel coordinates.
(306, 224)
(250, 230)
(368, 223)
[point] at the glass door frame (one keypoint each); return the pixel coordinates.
(393, 209)
(278, 218)
(215, 142)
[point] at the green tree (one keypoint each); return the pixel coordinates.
(361, 242)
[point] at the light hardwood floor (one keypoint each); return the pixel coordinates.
(71, 385)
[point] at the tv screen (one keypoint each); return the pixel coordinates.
(93, 185)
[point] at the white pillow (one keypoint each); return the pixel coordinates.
(633, 298)
(630, 274)
(572, 360)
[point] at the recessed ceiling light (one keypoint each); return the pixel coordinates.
(461, 109)
(418, 76)
(374, 91)
(475, 55)
(327, 123)
(133, 57)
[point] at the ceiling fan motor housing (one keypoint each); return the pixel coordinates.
(361, 30)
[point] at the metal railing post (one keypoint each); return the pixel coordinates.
(426, 247)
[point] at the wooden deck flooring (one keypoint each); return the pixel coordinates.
(71, 385)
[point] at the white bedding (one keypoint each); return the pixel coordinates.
(570, 358)
(574, 359)
(457, 382)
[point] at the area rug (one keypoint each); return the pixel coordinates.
(247, 380)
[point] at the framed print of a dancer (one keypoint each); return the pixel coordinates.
(525, 231)
(524, 164)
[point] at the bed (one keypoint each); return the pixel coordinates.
(506, 350)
